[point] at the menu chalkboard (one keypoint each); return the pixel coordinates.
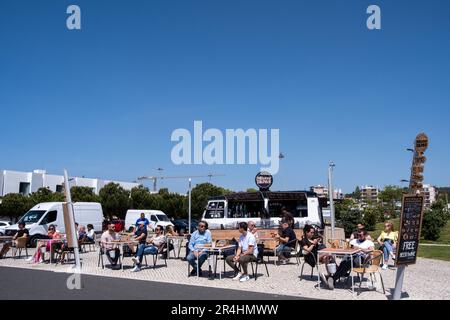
(410, 225)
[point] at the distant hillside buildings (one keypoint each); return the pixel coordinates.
(322, 192)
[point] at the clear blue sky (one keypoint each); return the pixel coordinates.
(103, 101)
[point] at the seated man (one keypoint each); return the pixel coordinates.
(252, 229)
(154, 244)
(247, 252)
(287, 242)
(200, 237)
(22, 232)
(366, 246)
(111, 250)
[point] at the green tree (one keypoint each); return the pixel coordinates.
(200, 195)
(140, 198)
(173, 204)
(370, 218)
(83, 194)
(14, 205)
(434, 220)
(357, 193)
(343, 206)
(115, 200)
(46, 195)
(252, 190)
(349, 219)
(389, 197)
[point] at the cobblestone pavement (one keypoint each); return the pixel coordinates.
(422, 281)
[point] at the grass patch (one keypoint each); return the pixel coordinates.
(440, 253)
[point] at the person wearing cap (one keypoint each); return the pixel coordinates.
(142, 219)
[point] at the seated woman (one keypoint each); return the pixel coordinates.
(43, 246)
(90, 234)
(82, 233)
(387, 240)
(170, 232)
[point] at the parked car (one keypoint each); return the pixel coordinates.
(119, 224)
(182, 225)
(3, 226)
(155, 218)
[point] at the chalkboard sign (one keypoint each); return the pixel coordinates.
(410, 225)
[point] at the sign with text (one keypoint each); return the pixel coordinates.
(264, 180)
(410, 226)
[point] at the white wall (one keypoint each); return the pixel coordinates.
(51, 181)
(37, 181)
(1, 182)
(10, 182)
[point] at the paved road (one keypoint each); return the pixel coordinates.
(16, 283)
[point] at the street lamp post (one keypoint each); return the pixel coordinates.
(330, 192)
(190, 188)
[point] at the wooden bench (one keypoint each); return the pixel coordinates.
(262, 233)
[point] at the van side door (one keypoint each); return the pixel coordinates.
(49, 218)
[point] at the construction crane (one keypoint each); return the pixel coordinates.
(155, 178)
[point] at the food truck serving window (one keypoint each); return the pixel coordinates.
(215, 209)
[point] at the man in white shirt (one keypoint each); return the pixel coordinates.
(246, 253)
(366, 246)
(111, 250)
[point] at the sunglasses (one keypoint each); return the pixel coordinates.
(202, 226)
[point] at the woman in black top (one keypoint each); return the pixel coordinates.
(311, 244)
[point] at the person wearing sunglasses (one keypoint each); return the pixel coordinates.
(387, 241)
(43, 246)
(365, 245)
(200, 237)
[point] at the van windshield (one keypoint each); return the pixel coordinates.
(162, 217)
(32, 216)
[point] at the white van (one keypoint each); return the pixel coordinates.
(155, 217)
(38, 219)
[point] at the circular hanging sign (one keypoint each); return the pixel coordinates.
(421, 143)
(264, 180)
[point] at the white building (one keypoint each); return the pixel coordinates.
(28, 182)
(430, 194)
(369, 194)
(322, 191)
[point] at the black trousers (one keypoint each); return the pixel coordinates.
(114, 260)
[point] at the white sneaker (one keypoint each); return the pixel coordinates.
(384, 267)
(136, 269)
(239, 275)
(244, 278)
